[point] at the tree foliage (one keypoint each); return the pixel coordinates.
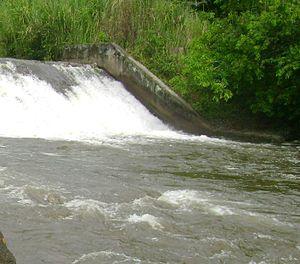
(250, 56)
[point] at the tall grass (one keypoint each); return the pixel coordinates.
(38, 29)
(155, 31)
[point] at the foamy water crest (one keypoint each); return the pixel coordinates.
(146, 218)
(189, 199)
(89, 207)
(184, 201)
(95, 109)
(33, 195)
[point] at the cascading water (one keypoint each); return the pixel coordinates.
(94, 107)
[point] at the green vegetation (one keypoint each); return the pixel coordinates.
(230, 59)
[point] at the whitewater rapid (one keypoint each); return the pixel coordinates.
(95, 108)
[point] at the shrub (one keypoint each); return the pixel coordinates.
(250, 58)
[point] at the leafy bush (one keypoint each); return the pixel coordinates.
(251, 58)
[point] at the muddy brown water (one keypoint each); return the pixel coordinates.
(150, 200)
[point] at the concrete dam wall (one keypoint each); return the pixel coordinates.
(152, 92)
(69, 101)
(144, 85)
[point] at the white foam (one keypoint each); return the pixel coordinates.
(188, 199)
(86, 206)
(106, 255)
(88, 256)
(19, 194)
(146, 218)
(182, 197)
(221, 210)
(254, 262)
(223, 254)
(264, 218)
(33, 194)
(263, 236)
(51, 154)
(143, 201)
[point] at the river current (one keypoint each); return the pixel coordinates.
(132, 190)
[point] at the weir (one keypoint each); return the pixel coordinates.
(71, 102)
(143, 84)
(136, 185)
(155, 95)
(111, 96)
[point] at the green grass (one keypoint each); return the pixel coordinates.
(39, 29)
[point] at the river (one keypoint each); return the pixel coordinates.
(132, 190)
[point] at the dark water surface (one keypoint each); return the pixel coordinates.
(138, 200)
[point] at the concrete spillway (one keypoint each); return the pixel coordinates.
(155, 95)
(116, 97)
(61, 101)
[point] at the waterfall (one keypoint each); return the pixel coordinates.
(90, 106)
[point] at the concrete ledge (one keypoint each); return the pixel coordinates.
(144, 85)
(152, 92)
